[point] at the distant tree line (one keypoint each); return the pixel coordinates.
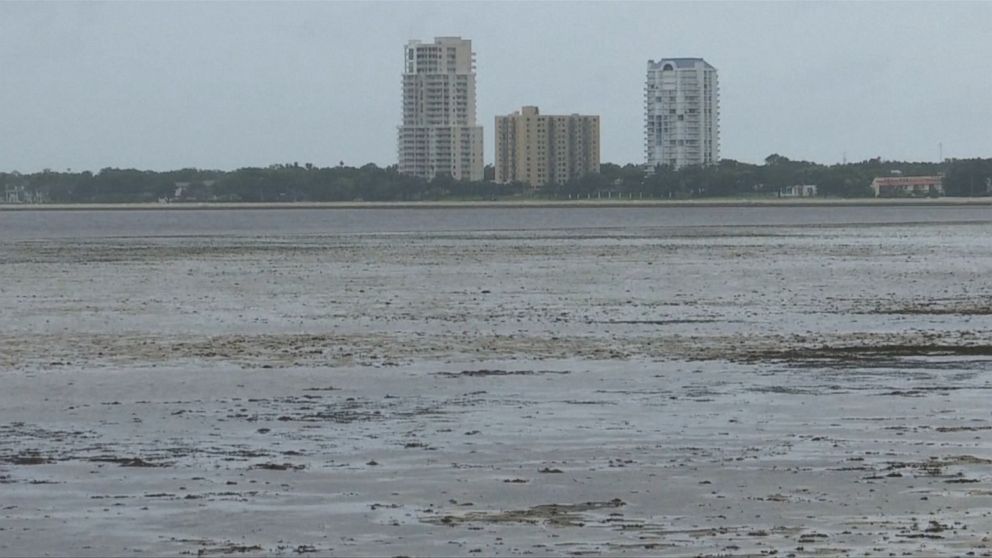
(295, 182)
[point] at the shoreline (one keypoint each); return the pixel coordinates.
(536, 204)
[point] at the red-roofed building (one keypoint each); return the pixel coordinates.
(907, 186)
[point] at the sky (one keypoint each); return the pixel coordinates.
(223, 85)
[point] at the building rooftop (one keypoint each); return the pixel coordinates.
(679, 62)
(905, 180)
(438, 41)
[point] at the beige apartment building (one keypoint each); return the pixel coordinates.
(542, 148)
(439, 134)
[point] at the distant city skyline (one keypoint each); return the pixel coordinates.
(160, 86)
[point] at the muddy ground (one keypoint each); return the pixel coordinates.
(733, 391)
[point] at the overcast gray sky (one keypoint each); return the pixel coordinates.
(223, 85)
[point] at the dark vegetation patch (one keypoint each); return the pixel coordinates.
(127, 461)
(937, 308)
(867, 355)
(961, 428)
(228, 548)
(798, 390)
(317, 408)
(654, 322)
(551, 515)
(29, 459)
(485, 372)
(22, 430)
(933, 467)
(279, 467)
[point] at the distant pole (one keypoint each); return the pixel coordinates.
(940, 145)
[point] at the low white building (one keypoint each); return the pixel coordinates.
(798, 191)
(19, 194)
(907, 186)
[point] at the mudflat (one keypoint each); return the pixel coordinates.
(728, 389)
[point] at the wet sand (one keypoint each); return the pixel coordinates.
(681, 391)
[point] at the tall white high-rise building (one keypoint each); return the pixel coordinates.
(681, 113)
(439, 135)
